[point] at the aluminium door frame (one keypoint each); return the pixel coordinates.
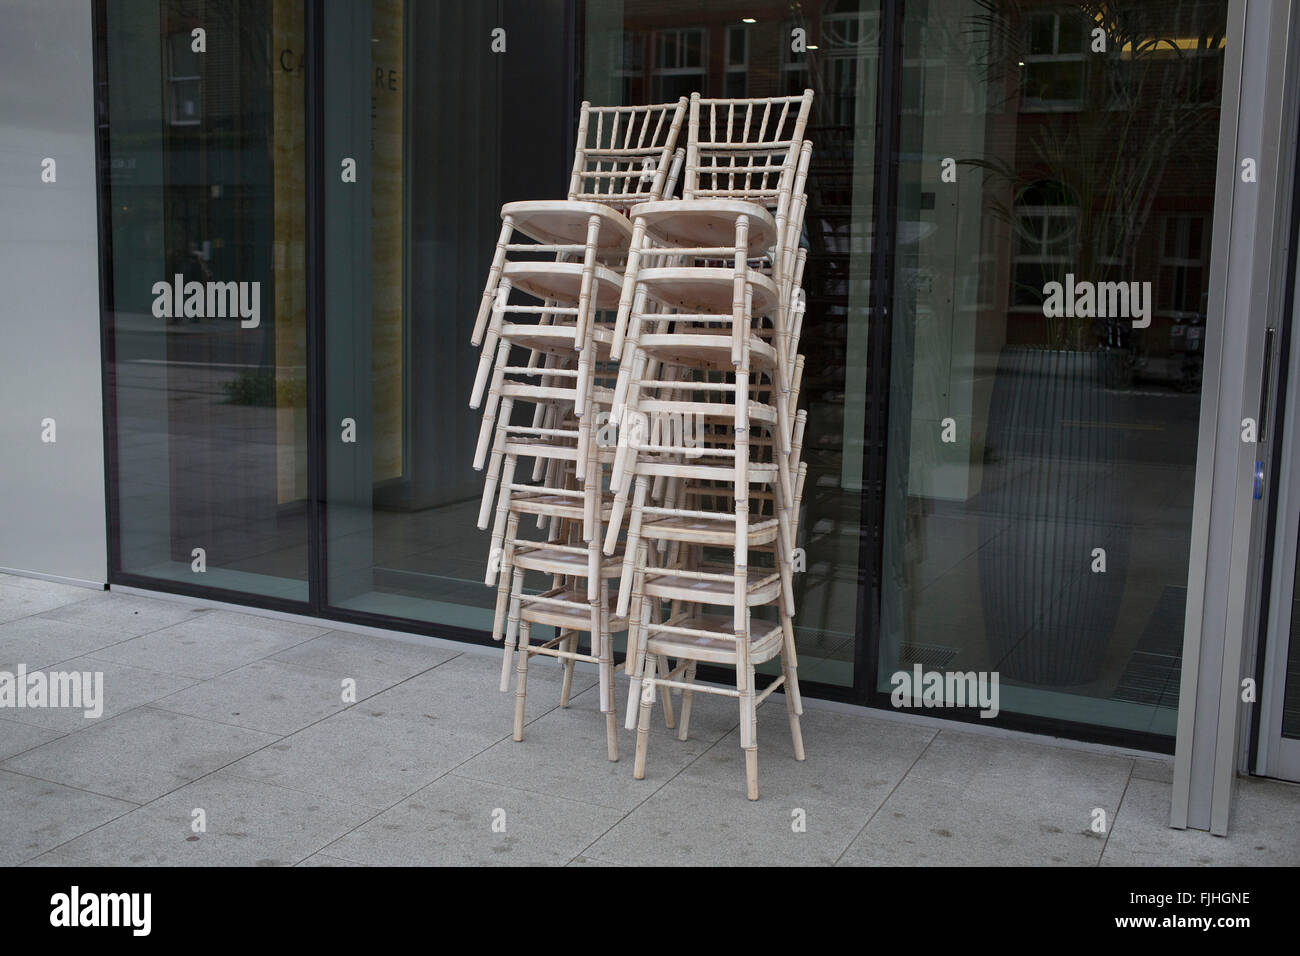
(1274, 755)
(1246, 291)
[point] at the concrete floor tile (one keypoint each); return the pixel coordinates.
(349, 654)
(125, 615)
(1261, 830)
(362, 756)
(18, 602)
(139, 755)
(463, 695)
(450, 823)
(17, 737)
(122, 688)
(248, 823)
(202, 647)
(269, 696)
(807, 813)
(36, 815)
(974, 799)
(38, 642)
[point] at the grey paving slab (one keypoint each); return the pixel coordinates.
(712, 716)
(72, 592)
(16, 737)
(451, 823)
(139, 755)
(36, 815)
(122, 688)
(564, 754)
(39, 642)
(362, 756)
(1262, 830)
(463, 695)
(807, 812)
(995, 801)
(247, 823)
(270, 696)
(209, 644)
(324, 859)
(125, 615)
(349, 654)
(1154, 769)
(17, 601)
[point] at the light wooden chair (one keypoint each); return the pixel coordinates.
(624, 155)
(742, 156)
(694, 632)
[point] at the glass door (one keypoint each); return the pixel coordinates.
(1056, 184)
(435, 114)
(201, 127)
(1277, 744)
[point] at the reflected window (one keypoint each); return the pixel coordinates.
(1055, 60)
(183, 81)
(679, 67)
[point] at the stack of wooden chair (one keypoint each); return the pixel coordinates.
(655, 344)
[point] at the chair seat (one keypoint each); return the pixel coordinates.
(763, 587)
(564, 222)
(574, 616)
(716, 641)
(562, 282)
(551, 560)
(553, 505)
(698, 530)
(699, 348)
(705, 288)
(706, 222)
(554, 339)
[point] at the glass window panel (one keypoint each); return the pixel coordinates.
(840, 189)
(208, 380)
(1075, 436)
(407, 249)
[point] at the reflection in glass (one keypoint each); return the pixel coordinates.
(443, 131)
(203, 165)
(744, 48)
(1047, 331)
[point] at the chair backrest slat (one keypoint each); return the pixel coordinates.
(624, 157)
(753, 156)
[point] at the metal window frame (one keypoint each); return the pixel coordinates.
(1224, 570)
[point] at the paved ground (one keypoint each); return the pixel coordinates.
(242, 717)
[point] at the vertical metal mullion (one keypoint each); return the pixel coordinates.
(314, 119)
(871, 538)
(107, 339)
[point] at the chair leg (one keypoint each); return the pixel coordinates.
(684, 721)
(512, 628)
(570, 645)
(662, 669)
(494, 276)
(638, 668)
(504, 577)
(521, 680)
(643, 722)
(791, 692)
(748, 721)
(606, 656)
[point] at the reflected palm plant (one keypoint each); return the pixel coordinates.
(1129, 90)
